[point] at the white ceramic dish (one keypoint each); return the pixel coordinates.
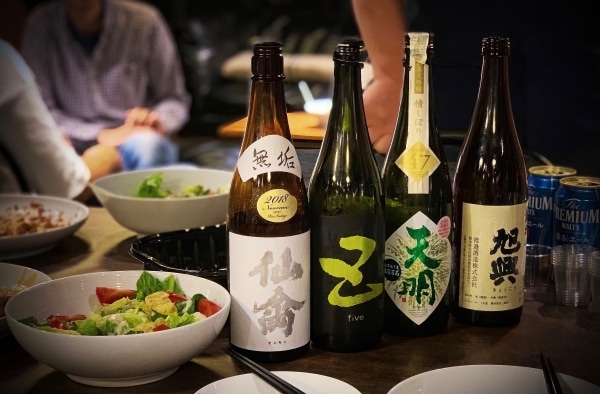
(488, 379)
(75, 214)
(11, 275)
(118, 360)
(252, 384)
(156, 215)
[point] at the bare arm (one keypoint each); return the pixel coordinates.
(382, 26)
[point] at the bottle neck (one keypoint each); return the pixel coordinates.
(267, 111)
(347, 112)
(494, 89)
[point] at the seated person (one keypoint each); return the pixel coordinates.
(39, 153)
(110, 74)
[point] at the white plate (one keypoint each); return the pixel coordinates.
(252, 384)
(488, 379)
(75, 213)
(10, 275)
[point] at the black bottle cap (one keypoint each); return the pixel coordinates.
(267, 60)
(350, 49)
(495, 46)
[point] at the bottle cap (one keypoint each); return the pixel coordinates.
(495, 46)
(267, 60)
(350, 49)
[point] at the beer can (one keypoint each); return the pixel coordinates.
(542, 184)
(576, 218)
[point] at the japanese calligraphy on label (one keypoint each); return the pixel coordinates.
(418, 261)
(350, 276)
(418, 161)
(270, 291)
(492, 257)
(272, 153)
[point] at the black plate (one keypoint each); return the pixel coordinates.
(200, 251)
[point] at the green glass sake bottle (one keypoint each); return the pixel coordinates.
(268, 226)
(418, 206)
(346, 214)
(490, 201)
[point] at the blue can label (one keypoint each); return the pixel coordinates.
(542, 183)
(576, 218)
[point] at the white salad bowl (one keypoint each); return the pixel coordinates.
(117, 193)
(13, 279)
(117, 360)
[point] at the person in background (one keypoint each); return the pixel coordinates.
(110, 74)
(382, 28)
(554, 69)
(34, 155)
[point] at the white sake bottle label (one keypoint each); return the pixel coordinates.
(269, 281)
(418, 261)
(272, 153)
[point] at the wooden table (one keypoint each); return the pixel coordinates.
(567, 335)
(305, 128)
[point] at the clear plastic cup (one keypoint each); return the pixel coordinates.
(571, 264)
(594, 270)
(537, 267)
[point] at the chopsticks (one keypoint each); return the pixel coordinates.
(552, 383)
(266, 375)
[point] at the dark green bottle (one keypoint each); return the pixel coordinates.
(346, 214)
(418, 206)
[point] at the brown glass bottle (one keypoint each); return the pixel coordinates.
(346, 212)
(490, 199)
(418, 206)
(268, 226)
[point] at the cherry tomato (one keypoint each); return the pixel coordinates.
(207, 307)
(108, 295)
(62, 321)
(174, 297)
(161, 327)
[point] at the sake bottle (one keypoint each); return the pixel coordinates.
(268, 226)
(418, 206)
(490, 201)
(346, 213)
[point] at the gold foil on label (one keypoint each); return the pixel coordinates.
(418, 161)
(277, 205)
(419, 86)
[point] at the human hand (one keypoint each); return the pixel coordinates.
(143, 117)
(67, 140)
(382, 100)
(116, 136)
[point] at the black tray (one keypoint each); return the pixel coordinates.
(200, 251)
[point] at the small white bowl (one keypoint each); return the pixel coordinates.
(156, 215)
(11, 275)
(320, 108)
(74, 214)
(118, 360)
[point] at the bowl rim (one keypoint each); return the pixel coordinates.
(80, 211)
(224, 308)
(97, 184)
